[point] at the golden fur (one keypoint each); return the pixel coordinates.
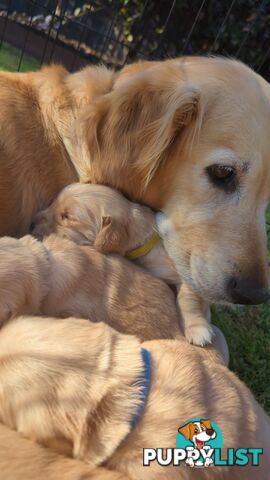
(76, 392)
(166, 125)
(23, 459)
(59, 278)
(100, 216)
(150, 130)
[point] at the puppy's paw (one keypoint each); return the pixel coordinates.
(200, 334)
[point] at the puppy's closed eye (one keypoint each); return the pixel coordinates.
(64, 215)
(67, 215)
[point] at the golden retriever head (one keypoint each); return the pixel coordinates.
(96, 215)
(191, 137)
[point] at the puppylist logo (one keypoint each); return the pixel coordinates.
(198, 444)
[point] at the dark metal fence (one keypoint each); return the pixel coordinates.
(115, 32)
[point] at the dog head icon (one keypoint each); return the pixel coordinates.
(198, 432)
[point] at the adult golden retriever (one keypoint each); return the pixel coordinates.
(76, 387)
(189, 136)
(100, 216)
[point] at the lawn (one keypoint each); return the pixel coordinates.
(10, 58)
(247, 329)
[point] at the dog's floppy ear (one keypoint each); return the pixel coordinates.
(140, 119)
(113, 236)
(207, 424)
(150, 116)
(185, 431)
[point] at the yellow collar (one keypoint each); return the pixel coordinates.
(145, 248)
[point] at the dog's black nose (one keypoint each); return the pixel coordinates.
(210, 432)
(247, 291)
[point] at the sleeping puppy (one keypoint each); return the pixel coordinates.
(102, 217)
(87, 391)
(57, 277)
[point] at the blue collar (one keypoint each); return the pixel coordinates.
(144, 383)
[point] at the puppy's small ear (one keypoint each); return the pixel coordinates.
(185, 431)
(113, 236)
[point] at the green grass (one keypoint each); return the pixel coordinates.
(10, 58)
(247, 330)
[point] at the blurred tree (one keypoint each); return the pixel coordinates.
(118, 31)
(159, 28)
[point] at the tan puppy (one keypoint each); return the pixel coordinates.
(189, 136)
(99, 216)
(59, 278)
(23, 459)
(76, 387)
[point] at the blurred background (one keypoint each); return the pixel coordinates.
(115, 32)
(75, 33)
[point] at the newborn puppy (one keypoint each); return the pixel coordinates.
(87, 391)
(60, 278)
(100, 216)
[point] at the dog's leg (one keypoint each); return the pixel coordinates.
(195, 314)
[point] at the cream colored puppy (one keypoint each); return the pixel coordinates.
(23, 459)
(87, 391)
(101, 216)
(59, 278)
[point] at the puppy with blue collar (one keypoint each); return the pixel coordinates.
(89, 392)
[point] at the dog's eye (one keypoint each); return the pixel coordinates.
(196, 430)
(222, 176)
